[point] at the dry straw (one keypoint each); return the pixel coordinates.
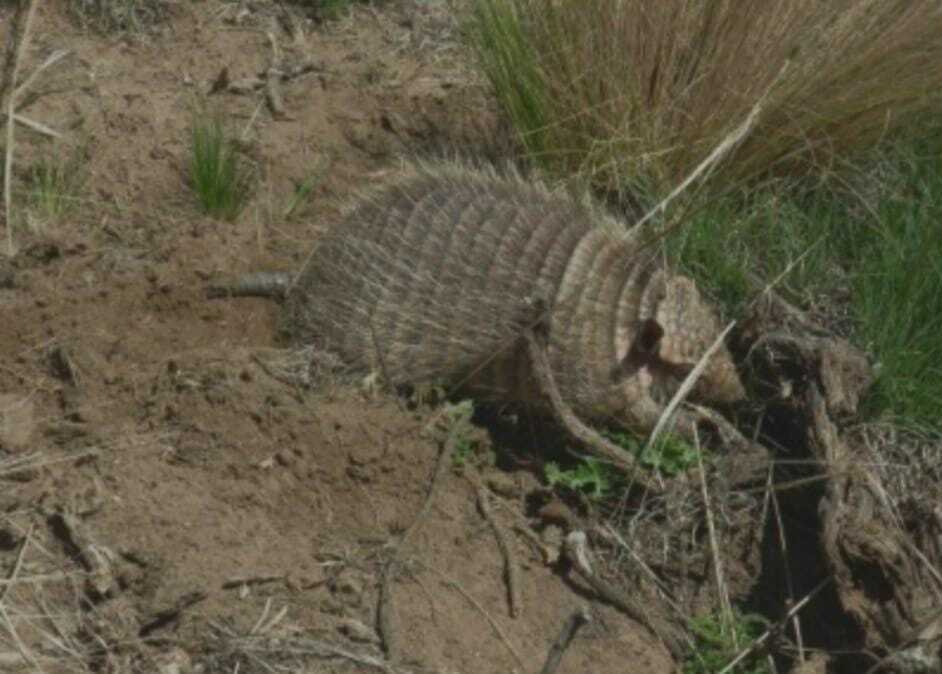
(632, 91)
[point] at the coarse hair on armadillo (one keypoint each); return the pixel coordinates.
(435, 275)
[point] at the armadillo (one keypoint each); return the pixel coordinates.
(434, 276)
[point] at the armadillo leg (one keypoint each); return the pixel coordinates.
(593, 441)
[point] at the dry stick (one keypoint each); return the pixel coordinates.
(576, 620)
(261, 618)
(511, 569)
(770, 286)
(768, 633)
(483, 611)
(321, 649)
(50, 61)
(272, 80)
(41, 578)
(575, 550)
(17, 565)
(384, 611)
(721, 589)
(245, 581)
(594, 441)
(789, 585)
(685, 387)
(11, 123)
(719, 152)
(20, 646)
(618, 538)
(37, 127)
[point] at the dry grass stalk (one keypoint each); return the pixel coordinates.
(622, 89)
(24, 36)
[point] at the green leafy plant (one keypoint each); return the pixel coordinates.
(590, 476)
(303, 190)
(717, 644)
(465, 449)
(670, 455)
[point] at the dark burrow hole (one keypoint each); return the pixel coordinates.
(524, 441)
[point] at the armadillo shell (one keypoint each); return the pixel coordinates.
(435, 277)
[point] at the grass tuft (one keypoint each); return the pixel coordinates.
(635, 94)
(218, 173)
(54, 185)
(896, 276)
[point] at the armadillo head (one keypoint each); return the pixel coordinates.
(681, 327)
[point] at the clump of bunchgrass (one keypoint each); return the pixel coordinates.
(635, 94)
(218, 173)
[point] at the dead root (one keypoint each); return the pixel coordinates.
(882, 543)
(879, 518)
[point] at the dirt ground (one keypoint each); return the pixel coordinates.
(168, 502)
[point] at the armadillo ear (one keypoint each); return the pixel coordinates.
(649, 338)
(643, 349)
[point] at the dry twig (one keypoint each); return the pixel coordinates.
(17, 565)
(511, 569)
(483, 611)
(576, 553)
(384, 610)
(576, 620)
(687, 385)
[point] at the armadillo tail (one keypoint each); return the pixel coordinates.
(271, 285)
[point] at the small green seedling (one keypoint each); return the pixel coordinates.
(302, 192)
(54, 183)
(670, 455)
